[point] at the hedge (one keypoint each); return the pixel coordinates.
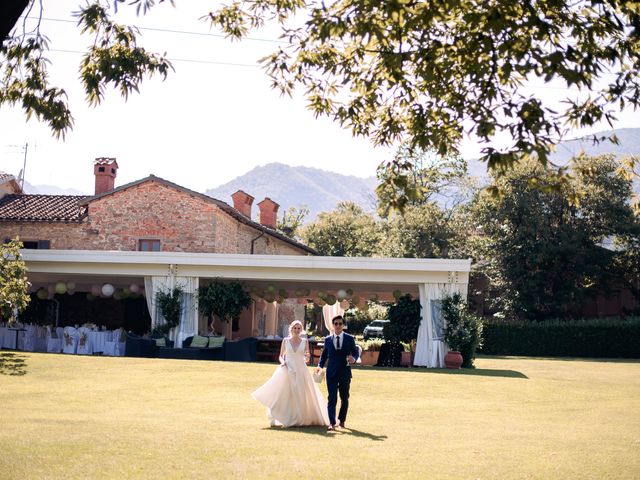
(596, 338)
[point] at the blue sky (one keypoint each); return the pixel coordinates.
(214, 118)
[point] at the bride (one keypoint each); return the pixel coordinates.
(291, 396)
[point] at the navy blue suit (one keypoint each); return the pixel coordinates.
(338, 374)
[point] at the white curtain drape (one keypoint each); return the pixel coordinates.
(189, 314)
(430, 347)
(151, 286)
(188, 325)
(330, 311)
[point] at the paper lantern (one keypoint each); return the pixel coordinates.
(271, 289)
(355, 301)
(341, 294)
(42, 293)
(344, 304)
(373, 297)
(349, 292)
(91, 297)
(397, 294)
(107, 289)
(71, 285)
(135, 288)
(61, 288)
(283, 293)
(118, 295)
(331, 299)
(96, 291)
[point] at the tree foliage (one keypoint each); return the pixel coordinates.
(416, 177)
(544, 253)
(170, 304)
(13, 281)
(227, 300)
(114, 59)
(292, 220)
(347, 231)
(429, 72)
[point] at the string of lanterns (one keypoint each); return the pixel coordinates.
(106, 290)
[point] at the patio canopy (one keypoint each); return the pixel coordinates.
(426, 279)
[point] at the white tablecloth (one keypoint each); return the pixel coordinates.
(98, 340)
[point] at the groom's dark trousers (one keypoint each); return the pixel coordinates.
(338, 375)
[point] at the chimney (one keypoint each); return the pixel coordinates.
(268, 212)
(104, 169)
(242, 202)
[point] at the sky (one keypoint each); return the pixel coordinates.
(213, 119)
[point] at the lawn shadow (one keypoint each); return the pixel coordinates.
(478, 372)
(322, 431)
(12, 364)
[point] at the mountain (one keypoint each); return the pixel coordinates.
(319, 190)
(50, 190)
(629, 144)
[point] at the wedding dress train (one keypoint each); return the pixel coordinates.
(291, 396)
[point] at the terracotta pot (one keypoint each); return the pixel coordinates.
(406, 359)
(453, 359)
(369, 357)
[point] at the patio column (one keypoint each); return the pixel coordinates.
(271, 320)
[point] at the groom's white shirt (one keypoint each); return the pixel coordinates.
(335, 344)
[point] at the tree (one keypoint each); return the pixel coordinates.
(424, 231)
(347, 231)
(415, 177)
(13, 281)
(429, 72)
(114, 59)
(292, 221)
(544, 253)
(227, 300)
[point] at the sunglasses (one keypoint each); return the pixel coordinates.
(337, 324)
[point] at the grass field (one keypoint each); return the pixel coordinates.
(511, 418)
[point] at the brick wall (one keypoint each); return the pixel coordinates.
(152, 211)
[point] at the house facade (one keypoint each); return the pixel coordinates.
(151, 214)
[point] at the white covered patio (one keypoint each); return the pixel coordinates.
(426, 279)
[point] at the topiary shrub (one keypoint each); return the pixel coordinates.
(463, 329)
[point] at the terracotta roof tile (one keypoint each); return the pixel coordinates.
(42, 208)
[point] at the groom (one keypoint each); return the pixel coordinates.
(339, 353)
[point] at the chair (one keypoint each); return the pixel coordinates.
(29, 338)
(54, 343)
(41, 339)
(70, 340)
(85, 347)
(116, 346)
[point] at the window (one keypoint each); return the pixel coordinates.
(149, 245)
(34, 244)
(437, 320)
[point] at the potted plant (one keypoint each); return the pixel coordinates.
(226, 300)
(370, 351)
(462, 332)
(404, 321)
(170, 305)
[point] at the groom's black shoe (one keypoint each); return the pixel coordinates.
(342, 424)
(331, 428)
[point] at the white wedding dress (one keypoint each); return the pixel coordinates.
(291, 396)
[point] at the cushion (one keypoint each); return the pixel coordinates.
(160, 342)
(199, 342)
(216, 342)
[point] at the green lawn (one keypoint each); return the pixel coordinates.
(511, 418)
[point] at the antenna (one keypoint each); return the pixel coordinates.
(24, 166)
